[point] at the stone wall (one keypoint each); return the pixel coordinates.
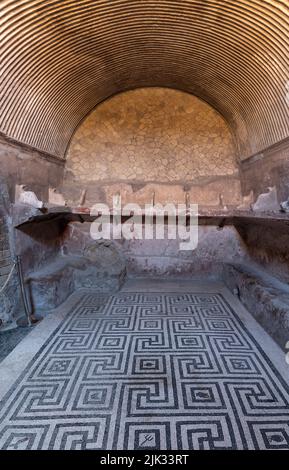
(21, 164)
(263, 296)
(164, 257)
(153, 140)
(268, 246)
(269, 168)
(9, 286)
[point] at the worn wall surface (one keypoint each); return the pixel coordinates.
(21, 164)
(164, 257)
(9, 287)
(167, 257)
(153, 136)
(268, 246)
(269, 168)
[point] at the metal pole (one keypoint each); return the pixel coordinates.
(23, 292)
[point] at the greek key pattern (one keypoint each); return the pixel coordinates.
(148, 371)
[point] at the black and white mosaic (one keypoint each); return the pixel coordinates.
(148, 371)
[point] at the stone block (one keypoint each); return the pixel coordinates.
(266, 298)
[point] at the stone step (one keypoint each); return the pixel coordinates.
(264, 296)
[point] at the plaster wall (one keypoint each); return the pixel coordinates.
(269, 168)
(21, 164)
(153, 142)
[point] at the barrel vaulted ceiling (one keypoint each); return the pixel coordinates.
(59, 59)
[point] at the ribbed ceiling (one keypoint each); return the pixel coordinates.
(59, 59)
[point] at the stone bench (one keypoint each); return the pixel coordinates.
(264, 296)
(52, 284)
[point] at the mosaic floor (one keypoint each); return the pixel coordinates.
(154, 370)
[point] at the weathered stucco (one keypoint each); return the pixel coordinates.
(21, 164)
(164, 257)
(269, 168)
(152, 134)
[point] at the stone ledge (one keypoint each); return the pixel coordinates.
(266, 298)
(56, 268)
